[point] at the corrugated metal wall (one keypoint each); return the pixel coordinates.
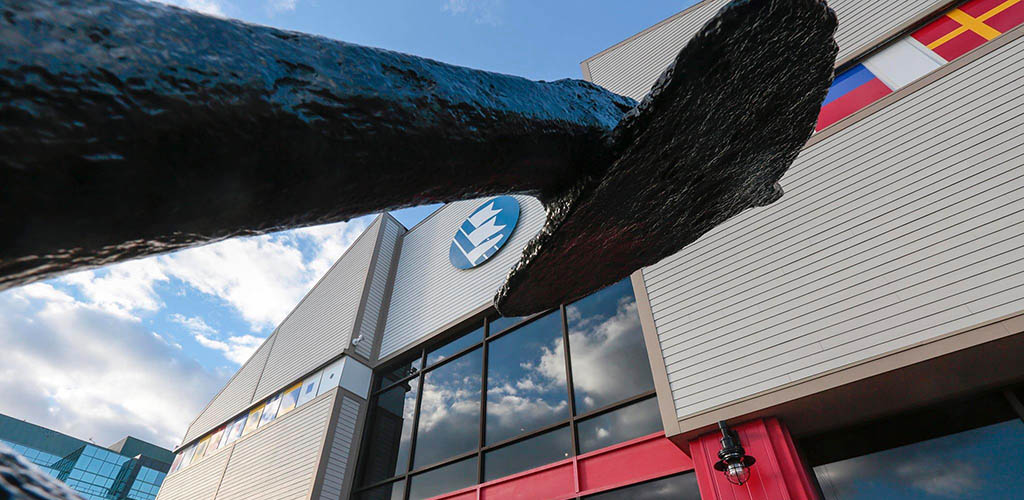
(339, 449)
(317, 330)
(321, 326)
(378, 285)
(429, 292)
(235, 396)
(903, 227)
(279, 462)
(198, 482)
(630, 69)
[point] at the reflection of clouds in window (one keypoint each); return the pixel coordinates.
(520, 396)
(532, 452)
(623, 424)
(681, 487)
(443, 479)
(608, 356)
(449, 410)
(391, 432)
(961, 465)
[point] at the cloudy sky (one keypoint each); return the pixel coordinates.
(140, 347)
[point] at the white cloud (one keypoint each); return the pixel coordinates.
(210, 7)
(193, 324)
(88, 366)
(93, 373)
(121, 289)
(263, 277)
(280, 6)
(237, 349)
(481, 11)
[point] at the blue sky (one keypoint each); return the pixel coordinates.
(140, 347)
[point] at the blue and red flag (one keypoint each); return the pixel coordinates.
(851, 91)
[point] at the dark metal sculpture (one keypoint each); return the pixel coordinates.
(22, 480)
(130, 129)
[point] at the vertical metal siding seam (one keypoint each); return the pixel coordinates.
(363, 303)
(321, 325)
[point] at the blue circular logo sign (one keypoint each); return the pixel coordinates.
(484, 232)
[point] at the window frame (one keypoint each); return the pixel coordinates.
(407, 470)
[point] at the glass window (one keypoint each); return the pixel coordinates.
(393, 491)
(526, 380)
(253, 421)
(270, 410)
(606, 348)
(681, 487)
(288, 399)
(401, 371)
(309, 388)
(177, 462)
(390, 433)
(530, 453)
(449, 421)
(978, 463)
(443, 479)
(623, 424)
(455, 346)
(501, 323)
(236, 429)
(187, 456)
(215, 441)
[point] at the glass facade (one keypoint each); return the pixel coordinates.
(679, 487)
(100, 474)
(508, 395)
(965, 449)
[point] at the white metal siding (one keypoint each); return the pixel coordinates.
(862, 22)
(235, 396)
(195, 482)
(631, 68)
(279, 462)
(429, 291)
(321, 325)
(903, 227)
(378, 285)
(340, 447)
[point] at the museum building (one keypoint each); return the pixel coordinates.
(861, 338)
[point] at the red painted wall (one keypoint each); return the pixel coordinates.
(778, 474)
(626, 463)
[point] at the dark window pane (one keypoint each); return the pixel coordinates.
(390, 433)
(501, 323)
(979, 463)
(393, 491)
(449, 421)
(402, 370)
(681, 487)
(443, 479)
(455, 346)
(633, 421)
(606, 348)
(526, 380)
(531, 453)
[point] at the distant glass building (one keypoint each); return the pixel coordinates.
(130, 469)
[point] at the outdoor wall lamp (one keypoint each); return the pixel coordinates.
(733, 459)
